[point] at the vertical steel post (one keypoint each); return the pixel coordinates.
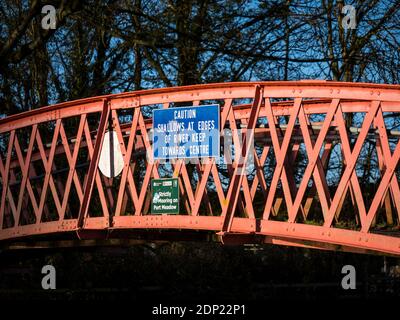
(237, 178)
(88, 189)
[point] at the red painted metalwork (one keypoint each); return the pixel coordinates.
(51, 184)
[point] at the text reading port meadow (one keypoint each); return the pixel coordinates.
(200, 309)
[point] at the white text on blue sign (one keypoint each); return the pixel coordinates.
(186, 132)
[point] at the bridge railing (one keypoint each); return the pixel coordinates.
(324, 165)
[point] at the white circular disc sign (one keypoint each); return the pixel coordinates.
(111, 160)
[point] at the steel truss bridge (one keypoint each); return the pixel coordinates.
(325, 171)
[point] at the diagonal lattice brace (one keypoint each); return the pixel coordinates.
(384, 153)
(72, 159)
(280, 154)
(313, 161)
(324, 160)
(97, 177)
(259, 178)
(4, 171)
(48, 162)
(237, 178)
(351, 158)
(127, 173)
(389, 175)
(93, 171)
(208, 167)
(25, 183)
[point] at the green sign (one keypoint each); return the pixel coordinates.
(165, 196)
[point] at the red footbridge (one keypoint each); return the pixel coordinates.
(324, 170)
